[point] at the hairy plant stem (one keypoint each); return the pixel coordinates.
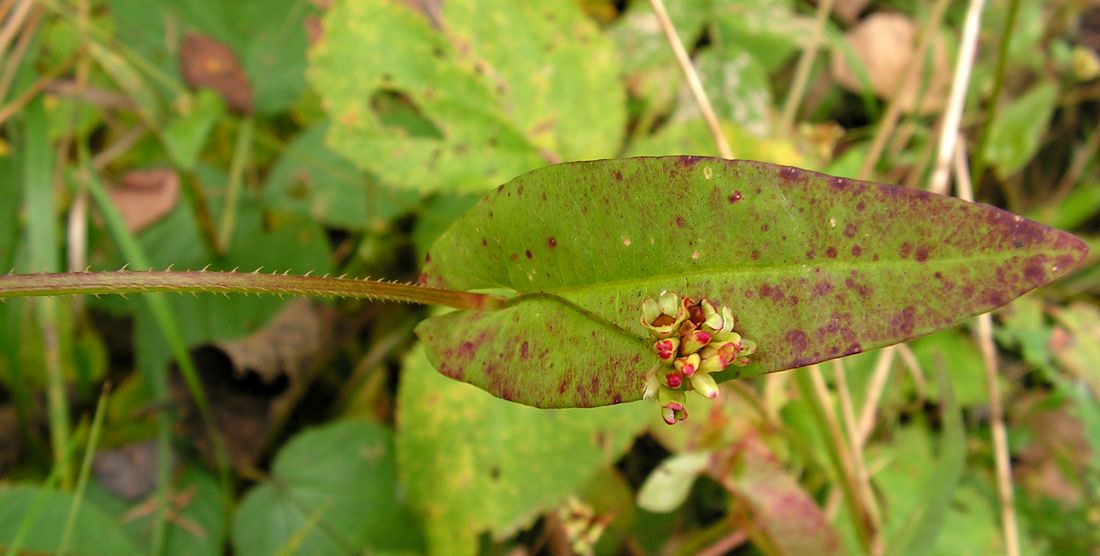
(126, 282)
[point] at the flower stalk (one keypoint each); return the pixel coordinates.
(203, 281)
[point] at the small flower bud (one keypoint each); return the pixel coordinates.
(664, 315)
(712, 319)
(673, 379)
(687, 364)
(694, 342)
(694, 311)
(748, 347)
(672, 405)
(705, 385)
(666, 348)
(727, 320)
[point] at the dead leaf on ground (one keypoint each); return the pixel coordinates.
(130, 471)
(285, 347)
(208, 63)
(145, 196)
(848, 10)
(253, 383)
(10, 445)
(884, 43)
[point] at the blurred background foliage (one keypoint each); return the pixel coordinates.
(343, 136)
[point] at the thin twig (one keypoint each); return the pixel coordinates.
(1082, 157)
(8, 31)
(848, 415)
(996, 405)
(120, 147)
(805, 64)
(818, 391)
(914, 368)
(912, 71)
(959, 85)
(726, 544)
(13, 60)
(874, 394)
(693, 82)
(25, 97)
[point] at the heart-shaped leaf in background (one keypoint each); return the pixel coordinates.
(465, 94)
(472, 463)
(814, 267)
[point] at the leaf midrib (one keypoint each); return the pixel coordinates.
(773, 269)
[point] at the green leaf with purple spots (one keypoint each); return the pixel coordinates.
(814, 267)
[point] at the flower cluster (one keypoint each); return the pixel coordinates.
(692, 339)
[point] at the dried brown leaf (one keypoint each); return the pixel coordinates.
(208, 63)
(145, 196)
(884, 43)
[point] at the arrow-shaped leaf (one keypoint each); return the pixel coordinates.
(814, 267)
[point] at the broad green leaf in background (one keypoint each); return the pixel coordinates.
(770, 30)
(473, 463)
(956, 355)
(464, 95)
(311, 181)
(94, 532)
(1018, 130)
(651, 73)
(332, 490)
(915, 526)
(814, 267)
(738, 87)
(186, 135)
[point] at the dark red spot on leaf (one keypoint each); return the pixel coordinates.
(734, 197)
(797, 340)
(830, 252)
(680, 221)
(922, 254)
(856, 250)
(850, 230)
(904, 321)
(528, 254)
(551, 242)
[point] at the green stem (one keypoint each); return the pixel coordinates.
(233, 192)
(127, 282)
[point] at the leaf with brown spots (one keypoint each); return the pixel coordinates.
(814, 267)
